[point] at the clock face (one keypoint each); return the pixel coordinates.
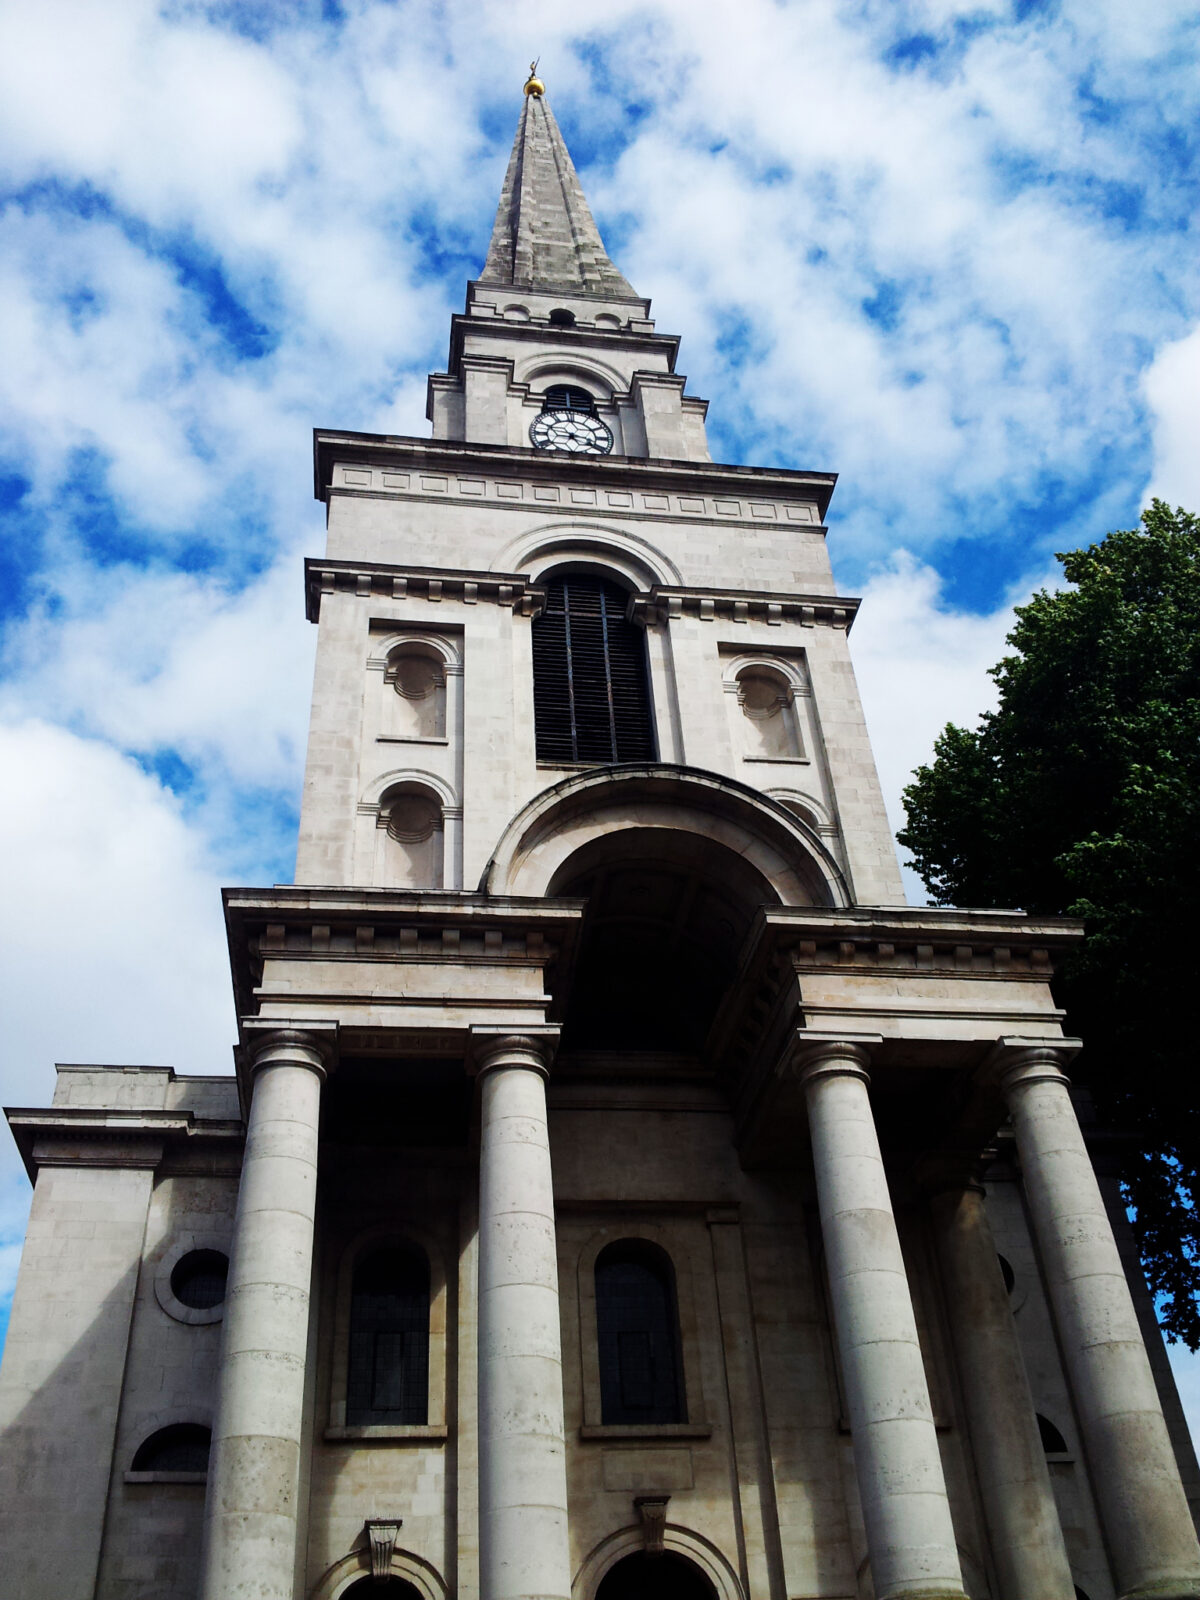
(576, 432)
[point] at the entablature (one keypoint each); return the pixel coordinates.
(659, 604)
(469, 960)
(665, 601)
(397, 582)
(637, 336)
(100, 1136)
(441, 469)
(932, 990)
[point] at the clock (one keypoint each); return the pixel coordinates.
(576, 432)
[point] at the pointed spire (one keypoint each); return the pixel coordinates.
(544, 235)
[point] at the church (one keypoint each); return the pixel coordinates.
(622, 1190)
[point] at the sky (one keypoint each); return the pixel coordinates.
(946, 250)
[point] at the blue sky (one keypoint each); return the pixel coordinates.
(945, 250)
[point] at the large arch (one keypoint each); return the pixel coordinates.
(709, 1561)
(700, 806)
(674, 864)
(561, 543)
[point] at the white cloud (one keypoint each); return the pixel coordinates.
(920, 664)
(1173, 390)
(112, 935)
(111, 938)
(160, 660)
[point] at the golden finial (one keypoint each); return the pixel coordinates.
(533, 84)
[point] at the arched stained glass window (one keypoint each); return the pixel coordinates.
(637, 1329)
(591, 696)
(388, 1376)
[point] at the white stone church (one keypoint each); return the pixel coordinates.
(622, 1192)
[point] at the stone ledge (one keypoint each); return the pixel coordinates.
(388, 1433)
(645, 1430)
(197, 1478)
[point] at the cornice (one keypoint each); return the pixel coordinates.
(76, 1136)
(386, 580)
(389, 926)
(606, 472)
(664, 601)
(395, 581)
(787, 946)
(465, 323)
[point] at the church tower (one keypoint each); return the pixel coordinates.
(622, 1188)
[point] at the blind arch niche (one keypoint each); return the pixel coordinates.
(591, 688)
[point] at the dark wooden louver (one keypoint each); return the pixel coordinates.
(591, 698)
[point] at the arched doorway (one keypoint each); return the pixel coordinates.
(380, 1589)
(655, 1577)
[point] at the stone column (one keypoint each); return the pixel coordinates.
(1143, 1511)
(910, 1536)
(250, 1531)
(523, 1550)
(1018, 1501)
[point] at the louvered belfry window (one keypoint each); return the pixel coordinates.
(591, 697)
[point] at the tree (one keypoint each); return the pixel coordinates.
(1080, 795)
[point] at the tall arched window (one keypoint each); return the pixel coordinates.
(637, 1329)
(591, 696)
(387, 1380)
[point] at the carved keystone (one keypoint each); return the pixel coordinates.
(652, 1509)
(382, 1531)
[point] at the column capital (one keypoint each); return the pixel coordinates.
(831, 1055)
(529, 1048)
(273, 1042)
(1016, 1063)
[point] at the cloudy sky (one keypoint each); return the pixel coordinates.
(947, 250)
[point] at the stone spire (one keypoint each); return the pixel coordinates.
(544, 235)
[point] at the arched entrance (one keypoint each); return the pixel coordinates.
(781, 846)
(666, 1576)
(380, 1589)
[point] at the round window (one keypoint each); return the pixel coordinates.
(198, 1280)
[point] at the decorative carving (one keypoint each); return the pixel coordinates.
(382, 1533)
(652, 1511)
(414, 676)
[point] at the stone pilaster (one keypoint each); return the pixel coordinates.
(910, 1535)
(523, 1545)
(1143, 1510)
(250, 1533)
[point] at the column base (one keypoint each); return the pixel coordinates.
(1171, 1589)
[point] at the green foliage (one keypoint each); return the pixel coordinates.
(1080, 795)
